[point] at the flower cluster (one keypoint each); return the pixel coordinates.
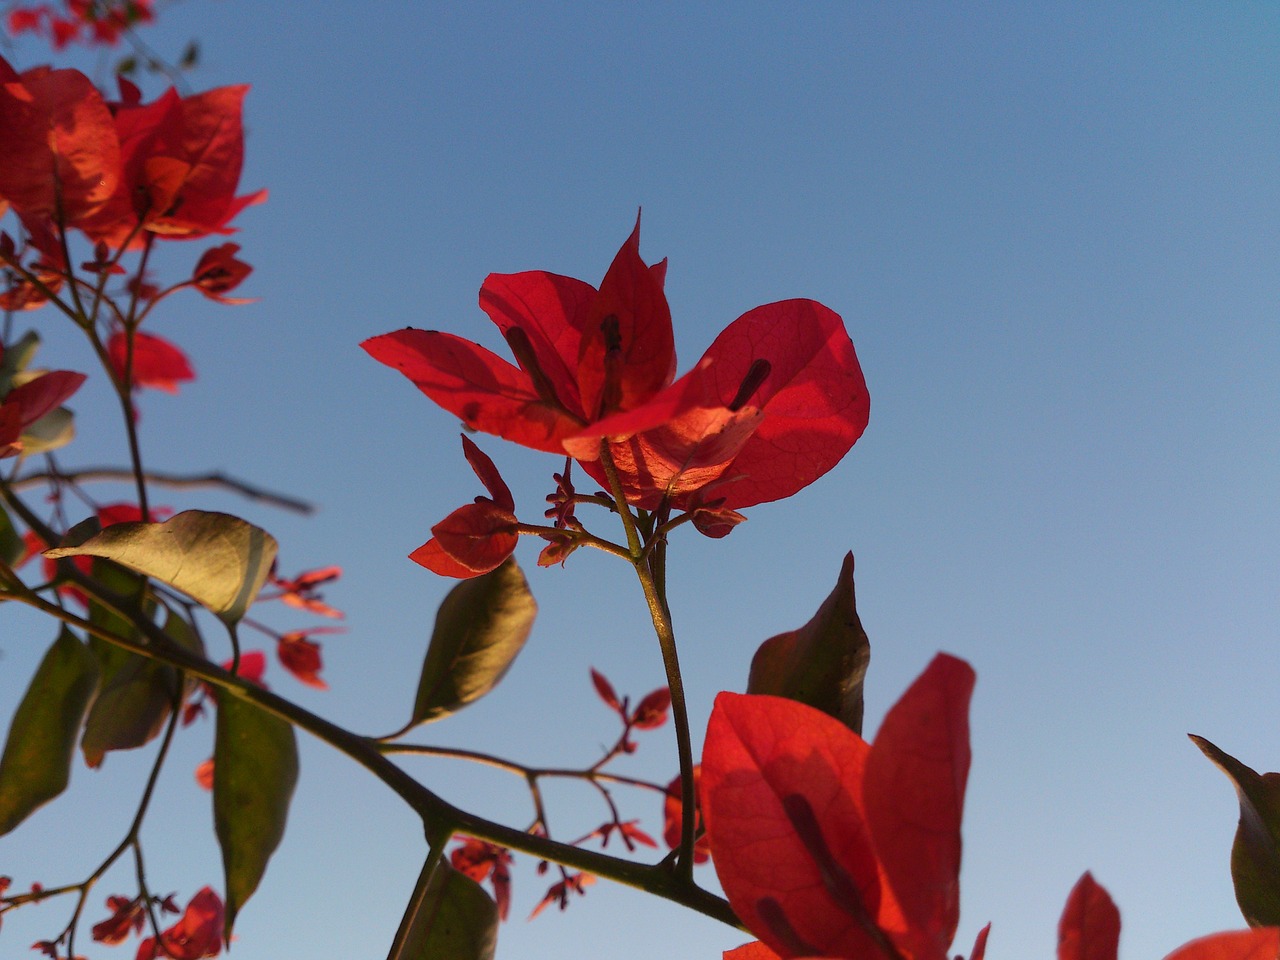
(118, 171)
(775, 402)
(92, 22)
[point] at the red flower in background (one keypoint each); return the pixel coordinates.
(94, 22)
(483, 861)
(169, 168)
(828, 846)
(157, 363)
(180, 166)
(301, 656)
(219, 272)
(774, 403)
(197, 934)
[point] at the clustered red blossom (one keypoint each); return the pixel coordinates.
(775, 402)
(92, 22)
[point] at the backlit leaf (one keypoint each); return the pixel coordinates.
(36, 764)
(220, 560)
(1255, 854)
(255, 768)
(480, 628)
(824, 663)
(456, 920)
(131, 708)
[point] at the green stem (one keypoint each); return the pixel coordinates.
(655, 596)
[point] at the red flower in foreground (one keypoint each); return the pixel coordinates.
(475, 538)
(828, 846)
(157, 363)
(773, 404)
(1090, 930)
(197, 934)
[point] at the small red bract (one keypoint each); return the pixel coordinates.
(482, 861)
(301, 657)
(196, 935)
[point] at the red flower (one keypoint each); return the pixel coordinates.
(157, 363)
(197, 934)
(828, 846)
(127, 916)
(180, 160)
(476, 538)
(774, 403)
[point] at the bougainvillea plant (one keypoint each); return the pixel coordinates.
(825, 844)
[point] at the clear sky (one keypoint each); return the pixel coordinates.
(1052, 232)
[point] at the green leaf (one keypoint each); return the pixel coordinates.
(220, 560)
(1255, 854)
(131, 708)
(455, 920)
(36, 765)
(824, 663)
(55, 429)
(480, 627)
(255, 768)
(16, 358)
(11, 546)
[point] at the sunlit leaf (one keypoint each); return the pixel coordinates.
(220, 560)
(1255, 854)
(17, 356)
(824, 663)
(480, 628)
(456, 920)
(255, 768)
(55, 429)
(36, 764)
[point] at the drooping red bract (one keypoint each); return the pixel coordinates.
(774, 403)
(196, 935)
(827, 846)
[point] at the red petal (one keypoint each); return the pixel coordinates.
(157, 363)
(788, 835)
(37, 397)
(751, 951)
(472, 383)
(1261, 943)
(651, 712)
(627, 352)
(1090, 924)
(605, 689)
(551, 310)
(301, 657)
(479, 536)
(488, 475)
(914, 798)
(432, 556)
(57, 132)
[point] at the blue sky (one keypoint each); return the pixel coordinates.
(1052, 232)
